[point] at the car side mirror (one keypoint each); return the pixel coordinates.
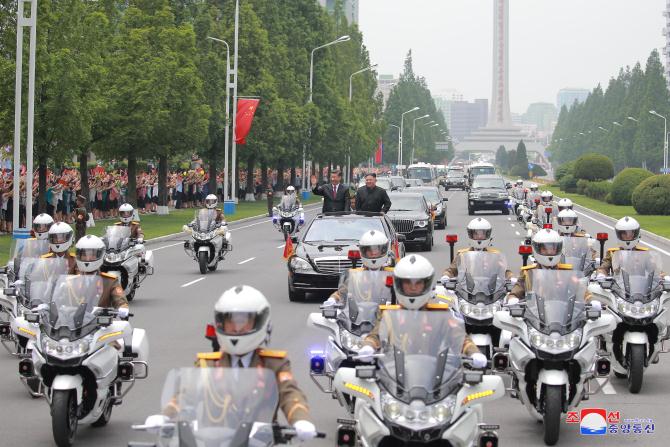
(401, 238)
(366, 372)
(517, 311)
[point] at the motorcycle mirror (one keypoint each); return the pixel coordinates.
(329, 312)
(517, 311)
(508, 285)
(366, 372)
(9, 291)
(3, 270)
(32, 318)
(666, 286)
(473, 377)
(593, 314)
(104, 320)
(606, 283)
(450, 285)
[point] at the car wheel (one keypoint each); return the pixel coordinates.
(471, 212)
(428, 245)
(295, 295)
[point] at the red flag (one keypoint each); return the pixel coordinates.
(246, 108)
(288, 248)
(396, 251)
(379, 154)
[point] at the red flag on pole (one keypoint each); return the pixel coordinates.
(246, 108)
(379, 154)
(288, 248)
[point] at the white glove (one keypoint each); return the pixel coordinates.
(330, 302)
(305, 430)
(40, 307)
(596, 305)
(512, 300)
(479, 360)
(123, 312)
(366, 353)
(154, 422)
(140, 240)
(445, 279)
(600, 277)
(666, 278)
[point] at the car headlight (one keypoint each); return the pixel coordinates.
(474, 195)
(64, 349)
(350, 341)
(479, 311)
(502, 195)
(637, 309)
(417, 414)
(300, 265)
(421, 223)
(555, 343)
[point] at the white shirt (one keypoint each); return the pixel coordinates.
(246, 359)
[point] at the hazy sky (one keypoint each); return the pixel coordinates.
(553, 43)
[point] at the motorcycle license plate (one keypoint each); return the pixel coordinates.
(489, 202)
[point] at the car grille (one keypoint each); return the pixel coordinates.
(334, 265)
(403, 225)
(489, 196)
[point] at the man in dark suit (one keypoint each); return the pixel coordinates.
(336, 196)
(371, 197)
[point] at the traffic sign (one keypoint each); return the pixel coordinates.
(530, 166)
(665, 170)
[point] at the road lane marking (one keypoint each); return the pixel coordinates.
(606, 386)
(513, 225)
(166, 246)
(246, 260)
(192, 282)
(282, 246)
(517, 233)
(509, 218)
(612, 228)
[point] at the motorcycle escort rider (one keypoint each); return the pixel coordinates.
(126, 212)
(242, 316)
(41, 225)
(60, 240)
(540, 215)
(373, 247)
(413, 285)
(290, 202)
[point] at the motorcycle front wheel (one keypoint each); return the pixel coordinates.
(553, 407)
(635, 367)
(203, 257)
(64, 417)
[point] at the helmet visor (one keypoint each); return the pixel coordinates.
(567, 221)
(240, 323)
(479, 234)
(210, 202)
(126, 214)
(414, 286)
(547, 198)
(548, 248)
(41, 228)
(628, 235)
(59, 238)
(89, 254)
(373, 251)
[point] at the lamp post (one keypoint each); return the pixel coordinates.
(603, 129)
(665, 140)
(411, 160)
(230, 208)
(402, 122)
(351, 77)
(632, 119)
(399, 135)
(617, 124)
(225, 150)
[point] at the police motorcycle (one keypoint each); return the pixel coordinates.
(126, 259)
(418, 392)
(218, 407)
(554, 353)
(481, 287)
(85, 357)
(348, 323)
(545, 219)
(638, 297)
(211, 240)
(288, 217)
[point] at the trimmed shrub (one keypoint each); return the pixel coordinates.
(598, 190)
(593, 167)
(563, 170)
(625, 182)
(519, 171)
(581, 186)
(652, 196)
(568, 183)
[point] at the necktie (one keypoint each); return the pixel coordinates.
(334, 190)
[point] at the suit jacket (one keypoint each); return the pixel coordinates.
(340, 202)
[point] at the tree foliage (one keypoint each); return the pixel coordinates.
(593, 167)
(625, 183)
(652, 196)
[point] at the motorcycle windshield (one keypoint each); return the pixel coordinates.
(637, 275)
(117, 238)
(422, 354)
(288, 203)
(39, 276)
(518, 193)
(219, 406)
(481, 276)
(577, 252)
(70, 313)
(366, 290)
(555, 300)
(24, 249)
(205, 219)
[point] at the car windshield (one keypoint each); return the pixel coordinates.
(637, 275)
(422, 354)
(420, 173)
(117, 237)
(481, 276)
(482, 170)
(342, 229)
(406, 203)
(432, 196)
(397, 181)
(220, 407)
(366, 290)
(383, 183)
(577, 252)
(455, 173)
(205, 219)
(555, 300)
(488, 183)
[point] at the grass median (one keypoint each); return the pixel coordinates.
(659, 225)
(156, 226)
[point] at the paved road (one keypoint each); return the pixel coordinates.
(177, 302)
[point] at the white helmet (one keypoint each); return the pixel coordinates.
(547, 247)
(41, 225)
(211, 201)
(126, 212)
(242, 317)
(479, 233)
(567, 221)
(413, 281)
(89, 253)
(290, 190)
(374, 247)
(564, 204)
(533, 186)
(519, 182)
(546, 196)
(60, 237)
(627, 231)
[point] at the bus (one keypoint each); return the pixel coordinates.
(479, 168)
(424, 171)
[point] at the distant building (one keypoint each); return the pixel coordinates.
(350, 8)
(568, 96)
(385, 83)
(542, 114)
(463, 117)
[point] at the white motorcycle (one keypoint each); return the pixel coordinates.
(222, 407)
(211, 240)
(554, 352)
(126, 259)
(86, 359)
(418, 393)
(288, 220)
(638, 298)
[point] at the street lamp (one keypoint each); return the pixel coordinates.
(616, 124)
(632, 119)
(603, 129)
(402, 122)
(355, 73)
(228, 85)
(665, 140)
(399, 134)
(413, 130)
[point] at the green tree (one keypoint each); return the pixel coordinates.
(521, 160)
(501, 157)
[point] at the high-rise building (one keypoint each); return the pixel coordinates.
(568, 96)
(541, 114)
(385, 83)
(463, 117)
(666, 33)
(350, 8)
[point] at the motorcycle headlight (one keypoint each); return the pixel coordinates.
(350, 341)
(637, 309)
(391, 408)
(421, 223)
(64, 349)
(479, 311)
(555, 343)
(300, 265)
(201, 236)
(112, 257)
(417, 414)
(443, 411)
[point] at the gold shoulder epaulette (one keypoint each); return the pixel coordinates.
(272, 353)
(493, 250)
(209, 355)
(641, 248)
(613, 249)
(134, 222)
(437, 306)
(463, 250)
(528, 267)
(390, 307)
(47, 255)
(565, 266)
(118, 223)
(357, 269)
(388, 269)
(107, 275)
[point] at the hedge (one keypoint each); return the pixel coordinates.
(652, 196)
(625, 182)
(568, 183)
(598, 190)
(563, 170)
(593, 167)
